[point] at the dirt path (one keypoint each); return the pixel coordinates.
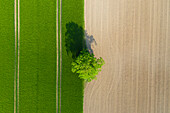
(133, 37)
(57, 56)
(17, 53)
(18, 56)
(15, 74)
(60, 50)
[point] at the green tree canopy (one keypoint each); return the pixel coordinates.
(87, 66)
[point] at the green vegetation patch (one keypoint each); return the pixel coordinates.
(7, 56)
(38, 56)
(72, 26)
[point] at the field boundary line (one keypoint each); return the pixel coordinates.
(85, 43)
(18, 55)
(57, 57)
(85, 14)
(166, 52)
(60, 50)
(15, 29)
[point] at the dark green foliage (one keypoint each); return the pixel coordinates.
(87, 66)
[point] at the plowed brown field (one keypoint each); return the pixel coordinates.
(133, 37)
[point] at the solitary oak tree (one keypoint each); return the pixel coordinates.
(87, 66)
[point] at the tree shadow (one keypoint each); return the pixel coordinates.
(89, 42)
(77, 39)
(74, 40)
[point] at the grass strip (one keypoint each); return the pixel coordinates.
(7, 56)
(38, 56)
(71, 86)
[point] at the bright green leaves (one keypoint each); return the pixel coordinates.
(87, 66)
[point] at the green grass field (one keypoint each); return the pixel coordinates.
(7, 56)
(38, 56)
(37, 59)
(71, 86)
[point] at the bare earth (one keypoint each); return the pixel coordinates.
(133, 37)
